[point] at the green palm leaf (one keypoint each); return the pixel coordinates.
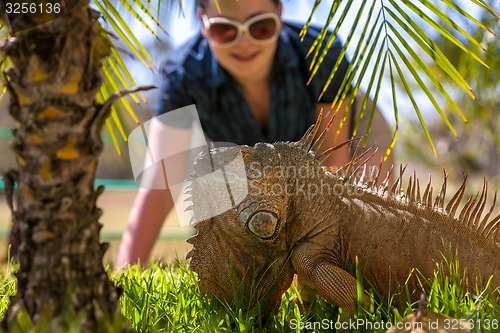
(147, 12)
(120, 27)
(115, 73)
(417, 76)
(441, 60)
(406, 30)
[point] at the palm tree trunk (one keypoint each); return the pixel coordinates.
(53, 82)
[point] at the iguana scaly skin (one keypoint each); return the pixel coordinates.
(300, 218)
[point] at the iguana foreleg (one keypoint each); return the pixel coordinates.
(320, 272)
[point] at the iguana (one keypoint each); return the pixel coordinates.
(305, 219)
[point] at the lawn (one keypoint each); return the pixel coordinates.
(165, 298)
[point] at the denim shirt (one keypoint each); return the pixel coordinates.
(193, 76)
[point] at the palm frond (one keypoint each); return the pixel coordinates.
(4, 33)
(123, 30)
(398, 31)
(147, 12)
(116, 74)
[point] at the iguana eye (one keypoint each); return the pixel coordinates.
(263, 224)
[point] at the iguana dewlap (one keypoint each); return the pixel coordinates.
(299, 218)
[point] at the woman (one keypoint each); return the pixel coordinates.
(247, 74)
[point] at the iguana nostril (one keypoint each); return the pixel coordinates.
(263, 224)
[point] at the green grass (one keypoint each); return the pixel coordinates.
(167, 299)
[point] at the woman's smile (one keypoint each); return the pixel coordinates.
(245, 57)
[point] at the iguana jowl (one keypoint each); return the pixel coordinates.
(299, 218)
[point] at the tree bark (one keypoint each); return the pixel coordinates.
(53, 82)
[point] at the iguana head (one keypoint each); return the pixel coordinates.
(258, 208)
(246, 218)
(240, 248)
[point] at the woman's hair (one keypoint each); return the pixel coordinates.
(203, 3)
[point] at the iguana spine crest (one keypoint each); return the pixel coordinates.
(470, 214)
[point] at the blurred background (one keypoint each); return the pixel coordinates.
(476, 151)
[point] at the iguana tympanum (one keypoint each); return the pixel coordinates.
(301, 218)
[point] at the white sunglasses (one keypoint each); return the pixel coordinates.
(260, 29)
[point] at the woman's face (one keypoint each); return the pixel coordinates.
(243, 59)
